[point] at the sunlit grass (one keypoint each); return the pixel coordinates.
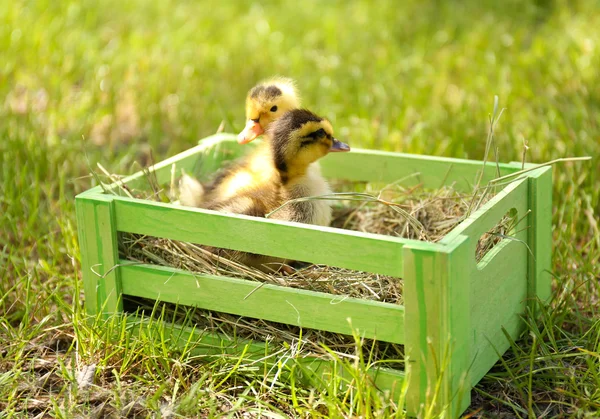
(124, 83)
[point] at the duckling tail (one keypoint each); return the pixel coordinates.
(191, 192)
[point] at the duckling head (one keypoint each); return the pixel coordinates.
(265, 103)
(300, 138)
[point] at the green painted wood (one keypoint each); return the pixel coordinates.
(99, 254)
(434, 172)
(308, 309)
(322, 245)
(503, 270)
(438, 325)
(498, 298)
(89, 253)
(203, 159)
(309, 370)
(540, 234)
(448, 297)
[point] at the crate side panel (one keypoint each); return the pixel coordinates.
(498, 284)
(434, 172)
(160, 173)
(499, 296)
(334, 247)
(270, 302)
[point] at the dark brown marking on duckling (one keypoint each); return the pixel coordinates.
(281, 129)
(282, 168)
(294, 119)
(268, 92)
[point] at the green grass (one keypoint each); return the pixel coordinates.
(126, 83)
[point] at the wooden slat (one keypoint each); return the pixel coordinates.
(540, 234)
(204, 158)
(434, 172)
(298, 307)
(99, 254)
(438, 327)
(498, 298)
(310, 371)
(323, 245)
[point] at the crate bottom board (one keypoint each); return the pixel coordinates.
(374, 320)
(309, 371)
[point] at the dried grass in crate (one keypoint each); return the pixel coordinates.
(431, 215)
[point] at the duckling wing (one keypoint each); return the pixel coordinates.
(241, 177)
(312, 211)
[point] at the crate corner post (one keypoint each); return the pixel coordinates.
(540, 234)
(438, 326)
(99, 253)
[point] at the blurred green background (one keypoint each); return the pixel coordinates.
(127, 82)
(419, 76)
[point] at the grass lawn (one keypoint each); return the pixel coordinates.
(127, 83)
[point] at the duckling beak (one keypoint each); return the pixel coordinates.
(250, 132)
(339, 146)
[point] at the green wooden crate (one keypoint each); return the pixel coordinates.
(455, 308)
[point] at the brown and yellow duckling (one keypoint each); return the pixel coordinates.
(296, 141)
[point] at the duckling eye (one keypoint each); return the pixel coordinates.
(274, 108)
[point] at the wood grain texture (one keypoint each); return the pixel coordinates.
(498, 284)
(308, 243)
(540, 234)
(381, 166)
(438, 324)
(308, 309)
(498, 298)
(99, 254)
(310, 371)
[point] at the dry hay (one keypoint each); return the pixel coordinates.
(192, 257)
(436, 213)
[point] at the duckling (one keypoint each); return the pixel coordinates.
(296, 141)
(265, 103)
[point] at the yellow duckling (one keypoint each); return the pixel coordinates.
(265, 103)
(296, 141)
